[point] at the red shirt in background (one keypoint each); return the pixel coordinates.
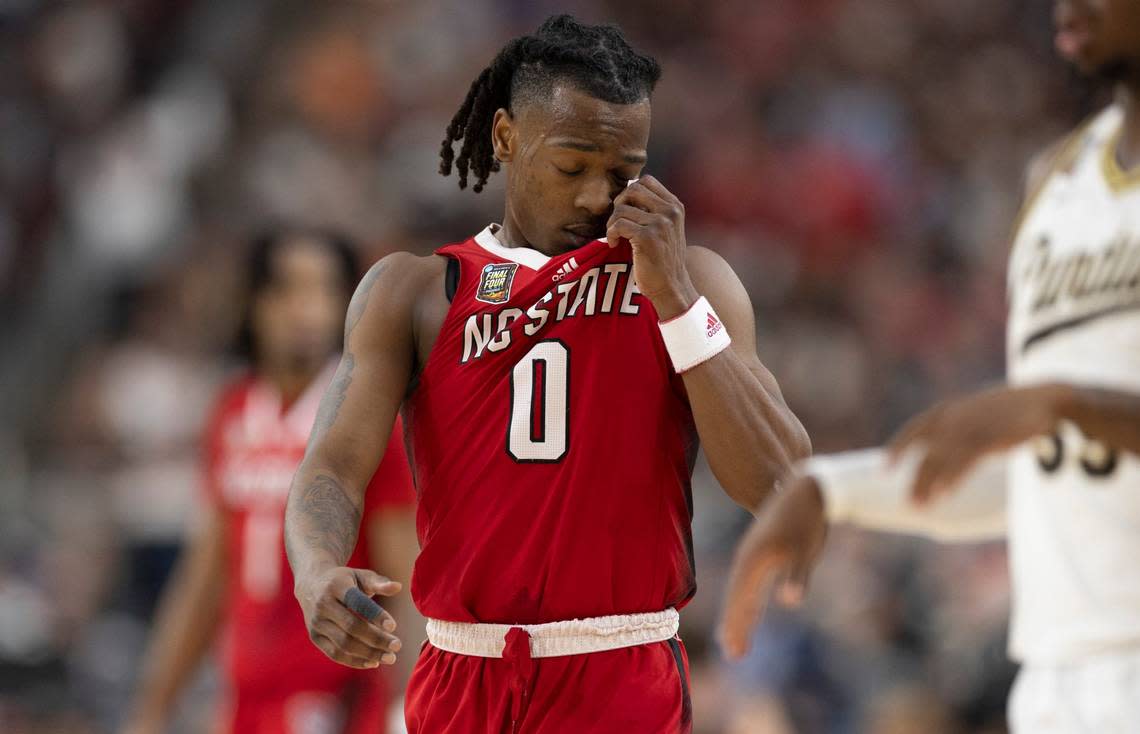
(254, 444)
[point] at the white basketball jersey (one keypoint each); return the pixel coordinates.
(1074, 505)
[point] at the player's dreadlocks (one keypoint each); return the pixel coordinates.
(596, 59)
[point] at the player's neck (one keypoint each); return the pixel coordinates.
(510, 235)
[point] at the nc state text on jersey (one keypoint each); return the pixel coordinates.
(492, 331)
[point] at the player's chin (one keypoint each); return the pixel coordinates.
(569, 240)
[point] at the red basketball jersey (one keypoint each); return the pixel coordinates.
(254, 445)
(552, 444)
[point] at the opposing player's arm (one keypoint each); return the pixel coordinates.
(866, 489)
(749, 434)
(1109, 416)
(862, 488)
(359, 407)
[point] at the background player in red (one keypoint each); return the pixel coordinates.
(555, 386)
(233, 578)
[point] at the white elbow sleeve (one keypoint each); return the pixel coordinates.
(863, 488)
(854, 481)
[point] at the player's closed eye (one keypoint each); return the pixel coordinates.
(621, 178)
(570, 174)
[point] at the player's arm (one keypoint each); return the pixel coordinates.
(1109, 416)
(862, 488)
(323, 515)
(749, 434)
(185, 626)
(958, 433)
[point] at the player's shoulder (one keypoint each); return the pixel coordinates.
(390, 295)
(1047, 160)
(708, 267)
(398, 278)
(1061, 153)
(704, 258)
(405, 268)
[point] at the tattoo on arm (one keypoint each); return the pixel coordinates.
(334, 395)
(359, 302)
(338, 388)
(329, 517)
(321, 517)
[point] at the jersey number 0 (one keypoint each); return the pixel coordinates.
(540, 404)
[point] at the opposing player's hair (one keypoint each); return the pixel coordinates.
(260, 273)
(594, 58)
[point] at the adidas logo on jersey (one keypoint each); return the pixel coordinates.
(567, 267)
(713, 325)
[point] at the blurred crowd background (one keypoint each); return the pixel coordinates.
(859, 162)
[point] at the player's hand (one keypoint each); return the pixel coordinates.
(653, 220)
(783, 544)
(343, 635)
(957, 433)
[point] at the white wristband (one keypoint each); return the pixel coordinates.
(695, 336)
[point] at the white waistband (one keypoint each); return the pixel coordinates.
(572, 637)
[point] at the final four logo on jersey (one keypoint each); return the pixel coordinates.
(495, 282)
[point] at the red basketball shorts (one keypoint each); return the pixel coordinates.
(642, 689)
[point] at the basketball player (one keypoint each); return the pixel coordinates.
(1064, 436)
(554, 386)
(234, 578)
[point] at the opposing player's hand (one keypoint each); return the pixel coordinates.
(653, 220)
(957, 433)
(343, 635)
(783, 544)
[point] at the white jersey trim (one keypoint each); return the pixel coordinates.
(525, 256)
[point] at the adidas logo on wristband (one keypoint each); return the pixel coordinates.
(714, 324)
(694, 337)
